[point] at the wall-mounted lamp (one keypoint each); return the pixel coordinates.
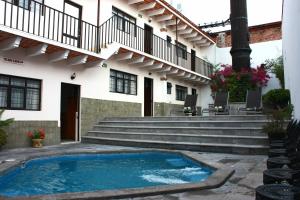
(104, 65)
(150, 20)
(73, 76)
(150, 73)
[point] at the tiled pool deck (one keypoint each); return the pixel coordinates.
(241, 186)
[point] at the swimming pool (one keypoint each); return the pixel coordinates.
(95, 172)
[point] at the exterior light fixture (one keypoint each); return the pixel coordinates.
(73, 76)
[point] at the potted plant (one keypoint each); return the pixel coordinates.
(276, 128)
(37, 137)
(3, 124)
(187, 111)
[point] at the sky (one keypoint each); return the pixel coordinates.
(207, 11)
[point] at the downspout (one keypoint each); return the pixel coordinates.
(98, 27)
(177, 40)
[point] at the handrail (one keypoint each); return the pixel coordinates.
(47, 22)
(117, 29)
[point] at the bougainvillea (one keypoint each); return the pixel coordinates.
(237, 83)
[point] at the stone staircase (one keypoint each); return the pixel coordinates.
(239, 134)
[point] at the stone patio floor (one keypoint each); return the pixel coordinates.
(241, 186)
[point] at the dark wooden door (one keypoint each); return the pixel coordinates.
(148, 97)
(193, 60)
(70, 95)
(72, 23)
(148, 39)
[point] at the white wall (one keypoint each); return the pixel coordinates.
(94, 83)
(260, 53)
(291, 49)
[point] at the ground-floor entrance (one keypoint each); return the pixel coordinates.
(148, 97)
(69, 114)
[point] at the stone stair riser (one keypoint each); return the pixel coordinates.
(210, 118)
(227, 149)
(216, 131)
(184, 124)
(182, 138)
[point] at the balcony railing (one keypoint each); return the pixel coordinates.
(41, 20)
(44, 21)
(120, 30)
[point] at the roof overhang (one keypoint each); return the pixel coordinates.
(170, 18)
(155, 65)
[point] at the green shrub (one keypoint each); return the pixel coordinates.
(276, 67)
(3, 124)
(276, 99)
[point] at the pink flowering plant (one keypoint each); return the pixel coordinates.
(237, 83)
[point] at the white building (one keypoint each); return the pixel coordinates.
(64, 65)
(291, 49)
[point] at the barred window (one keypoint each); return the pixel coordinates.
(169, 88)
(17, 93)
(181, 50)
(181, 93)
(124, 22)
(121, 82)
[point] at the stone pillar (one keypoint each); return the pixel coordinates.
(240, 50)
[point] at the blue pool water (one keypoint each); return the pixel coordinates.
(93, 172)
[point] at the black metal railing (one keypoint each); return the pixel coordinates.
(44, 21)
(120, 30)
(41, 20)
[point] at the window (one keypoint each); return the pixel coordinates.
(169, 41)
(124, 22)
(169, 88)
(121, 82)
(181, 51)
(181, 92)
(194, 91)
(17, 93)
(22, 3)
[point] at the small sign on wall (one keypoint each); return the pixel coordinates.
(13, 61)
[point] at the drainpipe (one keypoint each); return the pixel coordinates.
(177, 40)
(240, 50)
(98, 27)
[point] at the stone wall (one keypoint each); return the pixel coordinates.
(166, 109)
(17, 137)
(93, 111)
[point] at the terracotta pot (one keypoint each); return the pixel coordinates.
(37, 143)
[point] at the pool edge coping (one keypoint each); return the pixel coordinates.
(217, 179)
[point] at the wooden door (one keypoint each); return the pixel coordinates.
(148, 39)
(148, 97)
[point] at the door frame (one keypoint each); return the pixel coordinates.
(152, 101)
(79, 22)
(148, 42)
(78, 117)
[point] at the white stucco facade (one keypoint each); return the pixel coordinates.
(94, 81)
(291, 49)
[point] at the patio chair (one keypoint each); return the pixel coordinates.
(220, 106)
(190, 105)
(253, 102)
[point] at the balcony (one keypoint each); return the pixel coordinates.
(66, 37)
(122, 31)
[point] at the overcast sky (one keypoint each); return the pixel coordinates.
(207, 11)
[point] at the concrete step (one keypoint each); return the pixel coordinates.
(193, 118)
(176, 137)
(193, 146)
(192, 123)
(241, 131)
